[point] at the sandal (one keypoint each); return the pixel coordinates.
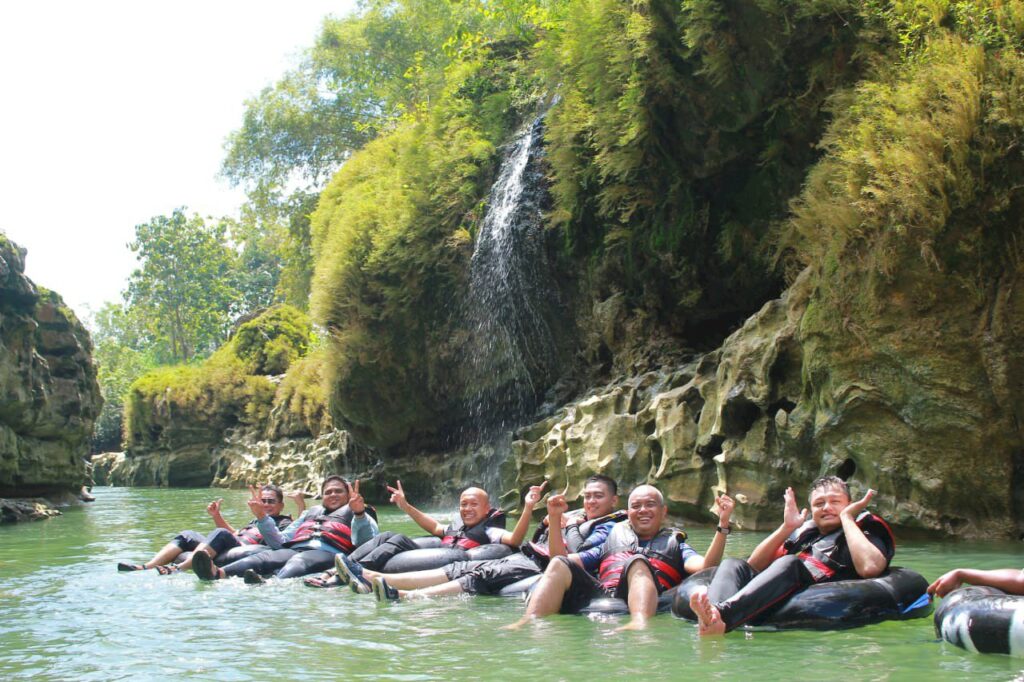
(326, 579)
(167, 570)
(202, 566)
(124, 567)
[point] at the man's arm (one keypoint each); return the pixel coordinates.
(557, 506)
(716, 550)
(424, 521)
(364, 527)
(766, 552)
(273, 537)
(518, 534)
(1009, 580)
(868, 560)
(213, 509)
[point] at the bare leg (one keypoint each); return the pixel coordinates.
(409, 581)
(203, 547)
(164, 556)
(643, 596)
(709, 621)
(451, 588)
(547, 596)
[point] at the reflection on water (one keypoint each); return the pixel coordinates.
(67, 613)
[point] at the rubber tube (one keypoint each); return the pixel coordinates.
(426, 559)
(900, 594)
(982, 620)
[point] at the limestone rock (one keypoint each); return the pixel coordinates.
(49, 396)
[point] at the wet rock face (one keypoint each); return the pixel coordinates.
(921, 400)
(49, 396)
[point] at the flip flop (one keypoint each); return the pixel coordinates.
(323, 580)
(124, 567)
(167, 570)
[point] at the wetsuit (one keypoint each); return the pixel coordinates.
(741, 593)
(314, 550)
(665, 555)
(493, 575)
(376, 553)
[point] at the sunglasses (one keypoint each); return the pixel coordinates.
(269, 500)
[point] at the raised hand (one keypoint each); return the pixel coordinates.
(355, 501)
(256, 507)
(398, 496)
(296, 496)
(557, 505)
(792, 518)
(725, 506)
(213, 509)
(854, 509)
(535, 493)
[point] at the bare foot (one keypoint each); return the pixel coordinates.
(518, 624)
(709, 621)
(635, 623)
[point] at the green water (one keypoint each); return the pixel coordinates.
(67, 613)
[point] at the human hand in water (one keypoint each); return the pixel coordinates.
(534, 494)
(792, 518)
(853, 510)
(398, 496)
(725, 506)
(355, 501)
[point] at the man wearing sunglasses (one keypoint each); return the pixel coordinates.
(636, 563)
(224, 540)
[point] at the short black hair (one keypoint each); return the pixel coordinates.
(829, 482)
(335, 477)
(608, 482)
(276, 489)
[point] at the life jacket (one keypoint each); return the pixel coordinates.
(251, 535)
(662, 552)
(538, 545)
(334, 528)
(457, 535)
(819, 552)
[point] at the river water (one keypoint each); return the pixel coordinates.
(68, 614)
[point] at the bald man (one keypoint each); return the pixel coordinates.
(478, 524)
(637, 562)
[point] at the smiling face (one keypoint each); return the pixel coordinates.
(826, 503)
(598, 500)
(474, 504)
(646, 511)
(272, 500)
(335, 494)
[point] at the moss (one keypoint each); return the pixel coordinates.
(170, 406)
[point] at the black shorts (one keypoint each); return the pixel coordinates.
(585, 587)
(187, 540)
(493, 575)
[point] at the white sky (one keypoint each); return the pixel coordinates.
(116, 111)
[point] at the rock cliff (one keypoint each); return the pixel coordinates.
(49, 397)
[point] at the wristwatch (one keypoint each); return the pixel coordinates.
(724, 531)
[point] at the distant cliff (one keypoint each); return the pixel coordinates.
(49, 397)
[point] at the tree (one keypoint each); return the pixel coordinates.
(185, 292)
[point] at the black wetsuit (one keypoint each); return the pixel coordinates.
(742, 593)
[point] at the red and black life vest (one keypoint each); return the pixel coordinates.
(538, 545)
(251, 535)
(457, 535)
(821, 554)
(662, 552)
(334, 528)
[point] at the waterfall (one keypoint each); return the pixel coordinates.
(513, 301)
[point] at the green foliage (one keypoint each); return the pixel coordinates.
(300, 403)
(182, 403)
(121, 357)
(184, 292)
(389, 237)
